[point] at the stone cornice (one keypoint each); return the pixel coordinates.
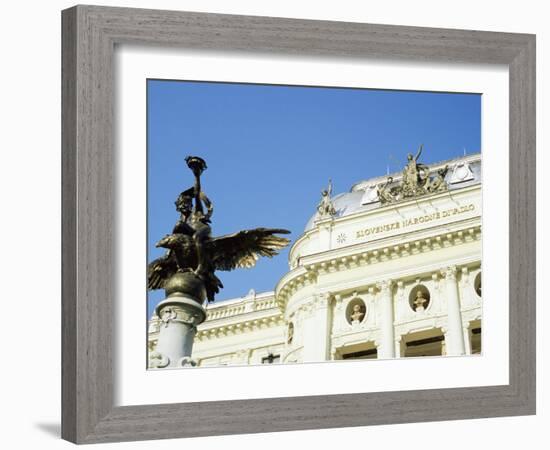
(373, 252)
(234, 316)
(410, 273)
(245, 305)
(249, 324)
(336, 221)
(246, 324)
(389, 241)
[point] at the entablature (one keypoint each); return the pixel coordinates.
(370, 253)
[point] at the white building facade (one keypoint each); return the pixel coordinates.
(371, 280)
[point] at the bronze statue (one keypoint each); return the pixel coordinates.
(193, 255)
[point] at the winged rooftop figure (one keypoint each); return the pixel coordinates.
(192, 250)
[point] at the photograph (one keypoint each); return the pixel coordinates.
(284, 222)
(310, 224)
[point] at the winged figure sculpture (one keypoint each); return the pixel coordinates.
(191, 248)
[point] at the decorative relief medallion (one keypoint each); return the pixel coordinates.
(167, 315)
(356, 311)
(177, 315)
(461, 172)
(185, 317)
(341, 238)
(419, 298)
(477, 284)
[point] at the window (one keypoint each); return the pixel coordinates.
(371, 353)
(271, 359)
(476, 341)
(363, 350)
(423, 343)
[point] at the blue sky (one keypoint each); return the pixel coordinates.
(271, 149)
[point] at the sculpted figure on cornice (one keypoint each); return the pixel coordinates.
(386, 193)
(415, 175)
(437, 183)
(326, 208)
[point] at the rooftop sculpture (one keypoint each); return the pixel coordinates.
(326, 207)
(416, 181)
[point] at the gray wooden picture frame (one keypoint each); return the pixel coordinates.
(90, 34)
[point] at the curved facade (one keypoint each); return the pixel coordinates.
(372, 280)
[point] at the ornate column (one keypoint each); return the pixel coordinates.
(179, 314)
(340, 320)
(317, 329)
(455, 344)
(386, 348)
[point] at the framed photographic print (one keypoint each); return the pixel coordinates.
(286, 224)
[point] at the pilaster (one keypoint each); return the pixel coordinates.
(385, 301)
(455, 337)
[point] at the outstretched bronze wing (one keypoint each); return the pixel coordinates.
(244, 248)
(160, 270)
